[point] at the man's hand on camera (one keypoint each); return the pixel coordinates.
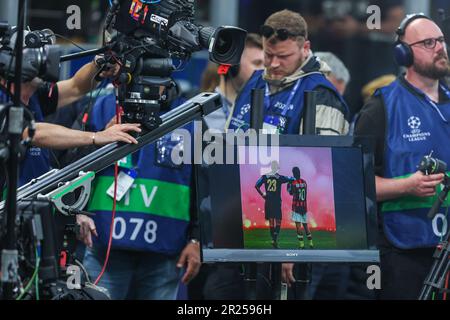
(190, 256)
(110, 70)
(421, 185)
(87, 229)
(117, 132)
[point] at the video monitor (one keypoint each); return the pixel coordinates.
(301, 199)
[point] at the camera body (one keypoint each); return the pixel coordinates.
(171, 24)
(149, 35)
(40, 57)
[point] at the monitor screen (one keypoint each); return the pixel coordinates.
(307, 199)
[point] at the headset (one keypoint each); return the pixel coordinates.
(234, 71)
(229, 72)
(402, 51)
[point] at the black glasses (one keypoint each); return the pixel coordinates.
(429, 43)
(282, 34)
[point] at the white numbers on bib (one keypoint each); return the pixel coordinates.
(122, 226)
(443, 231)
(150, 231)
(120, 229)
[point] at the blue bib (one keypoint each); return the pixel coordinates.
(284, 109)
(154, 215)
(415, 127)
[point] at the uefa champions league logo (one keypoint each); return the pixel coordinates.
(245, 109)
(414, 123)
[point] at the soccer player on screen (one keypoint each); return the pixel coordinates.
(272, 206)
(298, 190)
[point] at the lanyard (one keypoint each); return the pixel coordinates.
(226, 106)
(140, 160)
(432, 103)
(138, 164)
(288, 102)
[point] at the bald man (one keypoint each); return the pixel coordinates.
(409, 119)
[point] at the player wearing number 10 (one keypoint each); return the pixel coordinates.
(153, 223)
(298, 190)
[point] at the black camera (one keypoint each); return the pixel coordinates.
(429, 165)
(149, 35)
(171, 23)
(40, 56)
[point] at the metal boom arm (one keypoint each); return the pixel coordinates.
(201, 105)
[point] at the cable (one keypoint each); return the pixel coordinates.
(86, 274)
(34, 278)
(88, 108)
(68, 40)
(113, 213)
(446, 286)
(38, 259)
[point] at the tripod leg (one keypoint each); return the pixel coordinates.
(436, 277)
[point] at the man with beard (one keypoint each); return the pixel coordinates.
(409, 119)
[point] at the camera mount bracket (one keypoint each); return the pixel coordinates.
(56, 197)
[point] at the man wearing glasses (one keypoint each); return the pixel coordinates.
(290, 70)
(409, 119)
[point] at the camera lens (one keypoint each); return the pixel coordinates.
(225, 44)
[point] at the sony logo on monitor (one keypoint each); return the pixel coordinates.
(291, 254)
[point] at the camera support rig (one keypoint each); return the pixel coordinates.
(53, 185)
(195, 108)
(441, 265)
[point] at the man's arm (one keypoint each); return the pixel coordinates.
(418, 185)
(289, 188)
(82, 82)
(58, 137)
(258, 187)
(332, 116)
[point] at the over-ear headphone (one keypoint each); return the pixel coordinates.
(402, 51)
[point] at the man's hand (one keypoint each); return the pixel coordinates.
(112, 122)
(87, 229)
(418, 185)
(421, 185)
(190, 256)
(117, 132)
(287, 275)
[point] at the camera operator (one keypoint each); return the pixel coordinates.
(409, 119)
(149, 263)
